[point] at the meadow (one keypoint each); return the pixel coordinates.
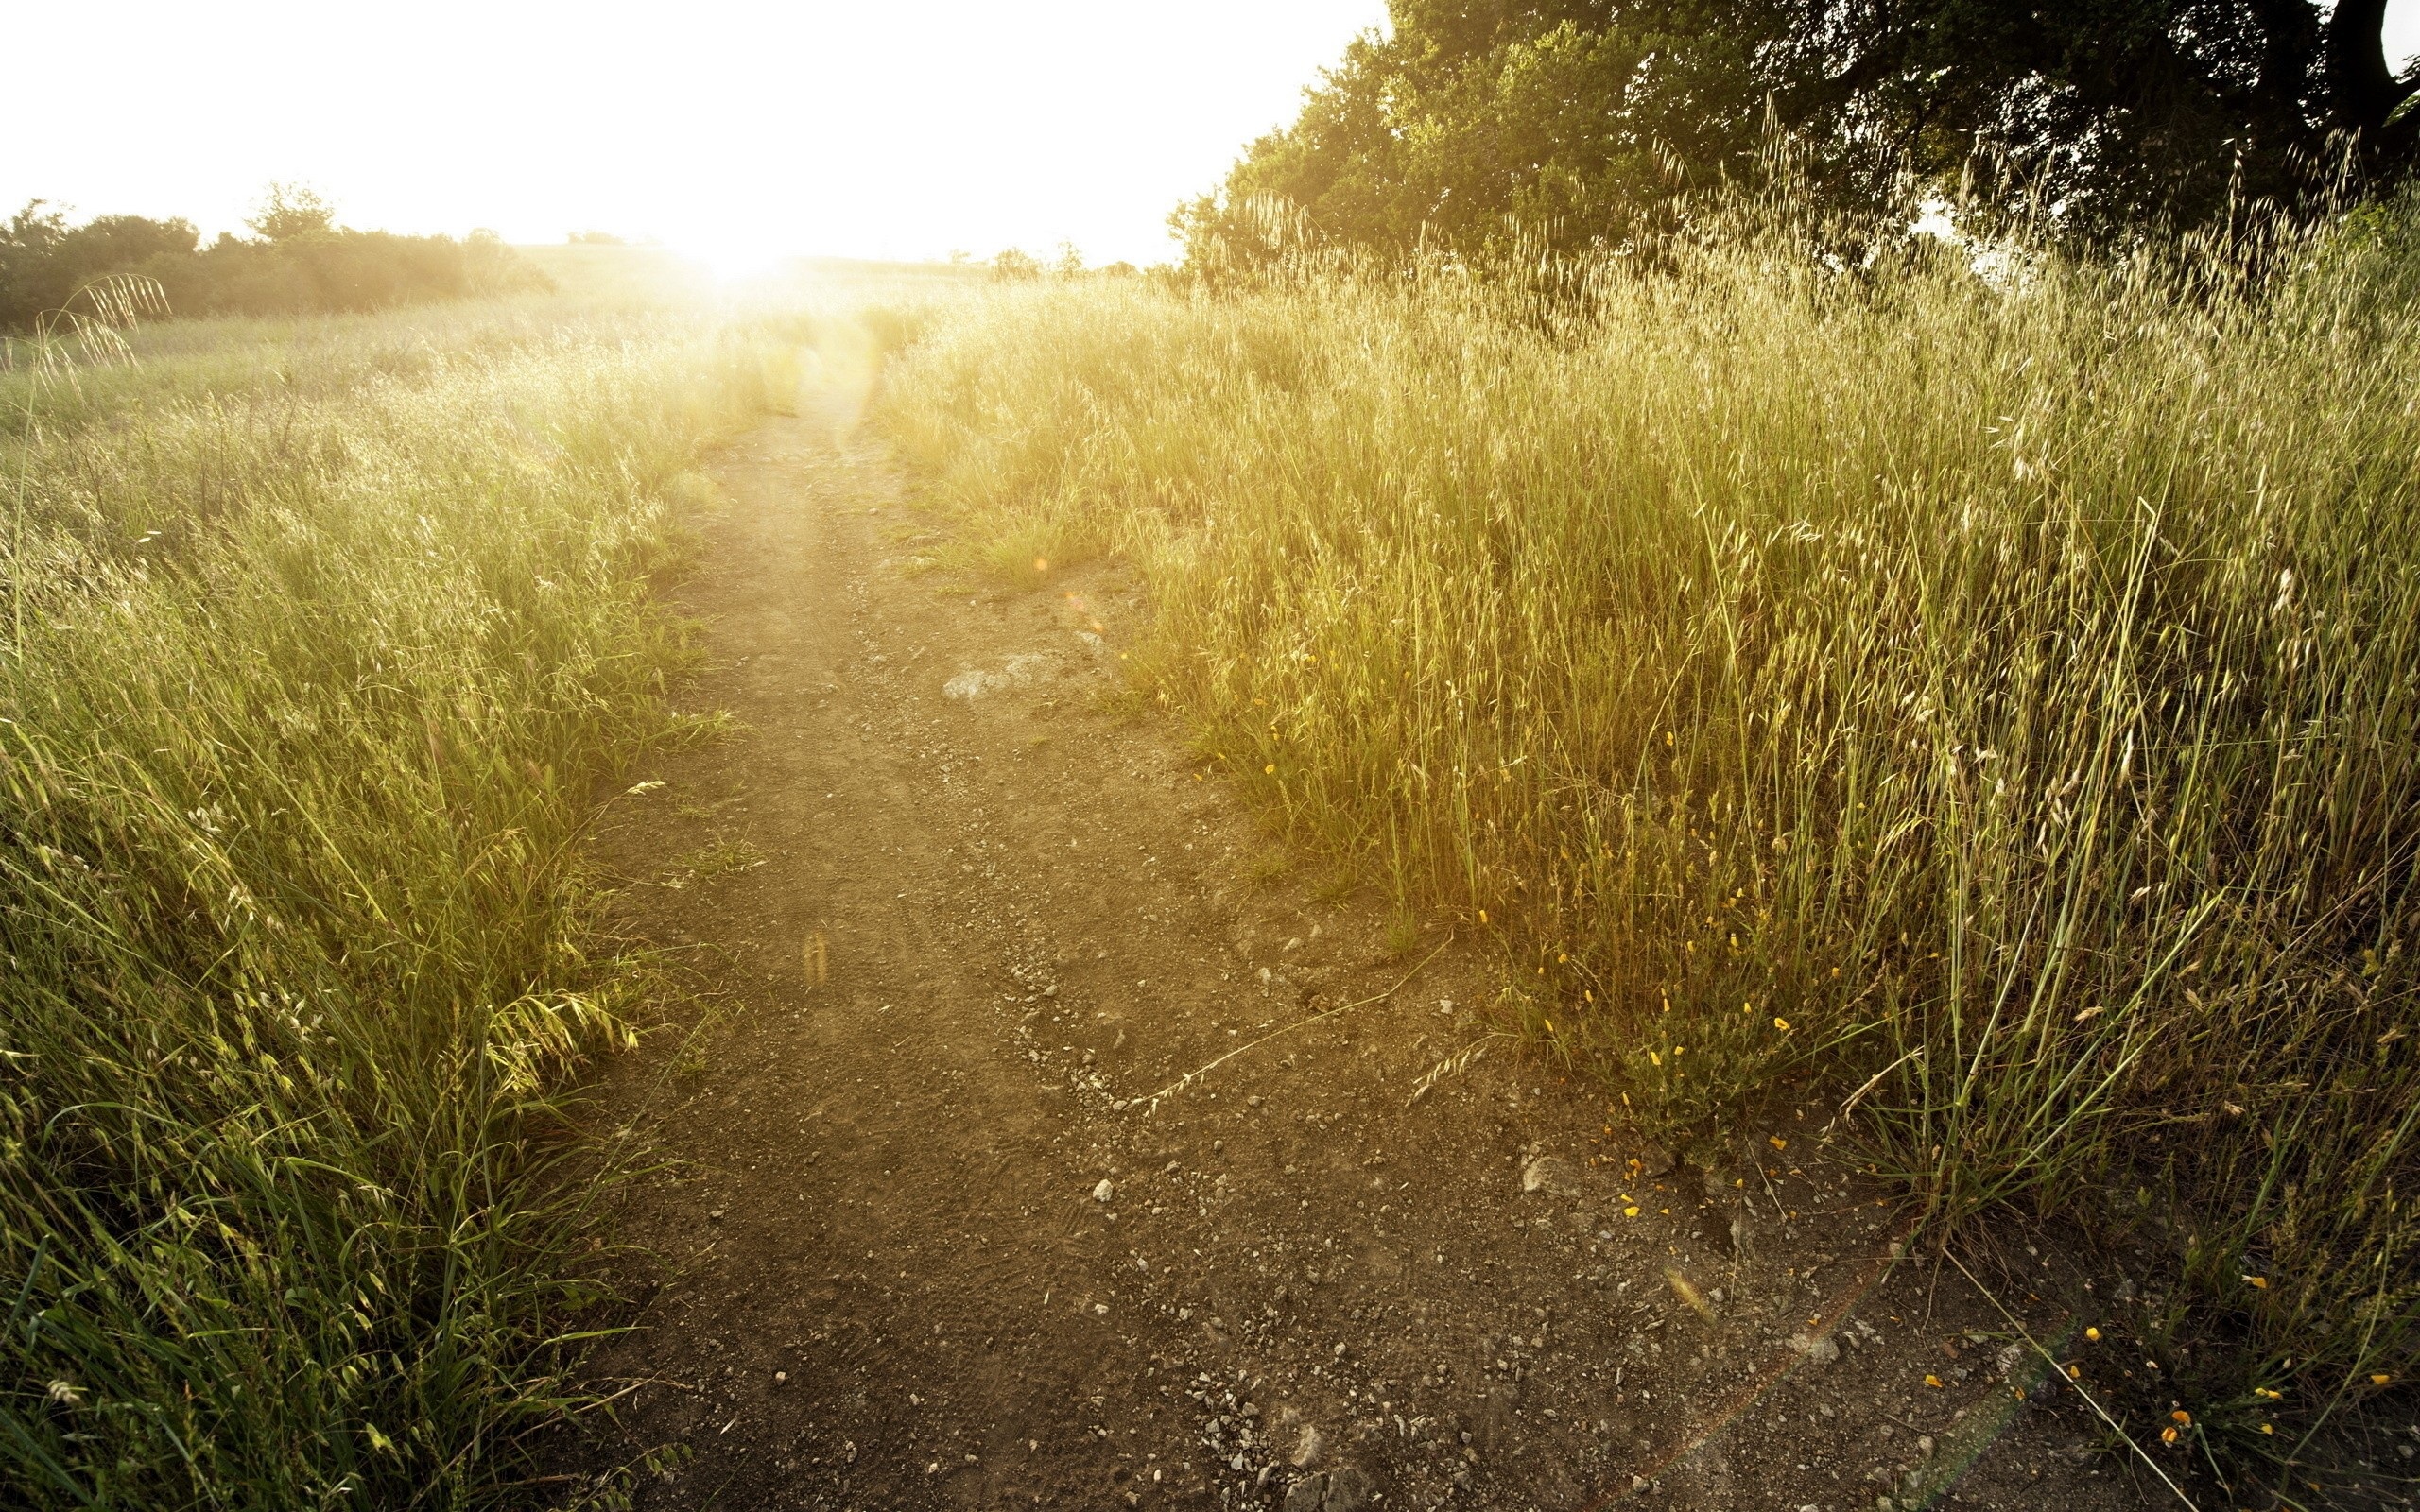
(1975, 689)
(1975, 696)
(323, 641)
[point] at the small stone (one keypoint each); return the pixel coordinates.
(1309, 1449)
(1103, 1192)
(1554, 1175)
(1309, 1494)
(1655, 1159)
(1348, 1490)
(1819, 1348)
(715, 1216)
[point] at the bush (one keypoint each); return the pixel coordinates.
(43, 261)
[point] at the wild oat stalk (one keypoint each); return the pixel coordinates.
(1996, 681)
(309, 682)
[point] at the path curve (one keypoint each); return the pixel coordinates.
(955, 914)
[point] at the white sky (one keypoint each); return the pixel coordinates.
(882, 128)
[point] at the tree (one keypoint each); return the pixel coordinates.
(289, 212)
(1599, 122)
(43, 260)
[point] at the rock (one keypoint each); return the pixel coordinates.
(1743, 1232)
(1342, 1489)
(1309, 1449)
(1654, 1159)
(1348, 1490)
(1818, 1348)
(975, 683)
(1103, 1192)
(1554, 1175)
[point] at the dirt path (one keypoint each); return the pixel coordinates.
(930, 1244)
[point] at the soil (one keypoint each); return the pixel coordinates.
(1047, 1140)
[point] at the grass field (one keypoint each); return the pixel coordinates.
(320, 640)
(1985, 700)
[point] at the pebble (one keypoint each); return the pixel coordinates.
(1343, 1489)
(1820, 1349)
(1552, 1174)
(1103, 1192)
(1743, 1232)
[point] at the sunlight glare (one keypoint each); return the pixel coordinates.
(735, 129)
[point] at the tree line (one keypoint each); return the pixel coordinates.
(297, 260)
(1601, 124)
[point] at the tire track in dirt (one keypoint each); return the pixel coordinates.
(957, 916)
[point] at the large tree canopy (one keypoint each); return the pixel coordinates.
(1591, 122)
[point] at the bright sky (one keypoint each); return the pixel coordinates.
(878, 127)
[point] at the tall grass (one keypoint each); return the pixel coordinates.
(308, 689)
(1996, 687)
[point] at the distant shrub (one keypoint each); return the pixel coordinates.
(300, 265)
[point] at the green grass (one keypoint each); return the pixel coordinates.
(321, 640)
(2003, 689)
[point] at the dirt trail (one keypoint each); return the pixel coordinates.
(929, 1244)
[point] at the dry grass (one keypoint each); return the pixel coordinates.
(2002, 688)
(321, 638)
